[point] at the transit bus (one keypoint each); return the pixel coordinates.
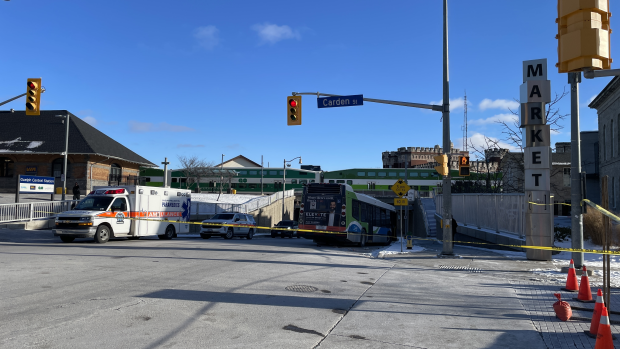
(344, 215)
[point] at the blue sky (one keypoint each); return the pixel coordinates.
(170, 78)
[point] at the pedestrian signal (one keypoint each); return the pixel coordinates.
(33, 97)
(464, 166)
(293, 110)
(442, 160)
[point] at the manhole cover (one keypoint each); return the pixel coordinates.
(460, 267)
(301, 288)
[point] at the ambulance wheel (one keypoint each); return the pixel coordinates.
(250, 234)
(67, 238)
(168, 234)
(363, 238)
(103, 234)
(229, 234)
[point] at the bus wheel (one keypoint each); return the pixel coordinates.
(363, 238)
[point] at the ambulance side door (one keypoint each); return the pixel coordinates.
(120, 224)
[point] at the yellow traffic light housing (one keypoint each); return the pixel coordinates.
(293, 110)
(33, 97)
(442, 169)
(464, 166)
(583, 35)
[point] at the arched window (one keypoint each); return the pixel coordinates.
(612, 152)
(6, 167)
(58, 167)
(115, 172)
(604, 157)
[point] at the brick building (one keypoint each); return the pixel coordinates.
(34, 145)
(419, 157)
(607, 105)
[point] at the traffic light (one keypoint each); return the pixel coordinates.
(33, 97)
(583, 35)
(293, 110)
(442, 160)
(464, 166)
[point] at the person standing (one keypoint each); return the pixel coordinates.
(76, 191)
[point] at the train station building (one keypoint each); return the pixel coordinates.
(35, 145)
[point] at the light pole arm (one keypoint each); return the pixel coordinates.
(591, 74)
(404, 104)
(12, 99)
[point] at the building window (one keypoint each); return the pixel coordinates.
(361, 174)
(6, 167)
(57, 167)
(604, 145)
(566, 176)
(115, 172)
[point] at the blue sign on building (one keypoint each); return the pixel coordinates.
(36, 185)
(340, 101)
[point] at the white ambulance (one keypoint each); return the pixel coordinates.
(104, 214)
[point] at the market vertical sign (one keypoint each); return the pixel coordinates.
(340, 101)
(535, 93)
(36, 185)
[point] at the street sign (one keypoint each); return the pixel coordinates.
(400, 188)
(340, 101)
(36, 185)
(401, 202)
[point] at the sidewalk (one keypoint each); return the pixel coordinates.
(481, 300)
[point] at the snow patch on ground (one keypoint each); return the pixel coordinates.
(394, 249)
(589, 259)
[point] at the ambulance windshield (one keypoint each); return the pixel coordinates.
(94, 203)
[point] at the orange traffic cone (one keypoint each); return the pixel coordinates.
(571, 280)
(603, 337)
(596, 316)
(585, 295)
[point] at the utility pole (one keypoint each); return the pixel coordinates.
(447, 182)
(262, 168)
(575, 170)
(165, 163)
(63, 175)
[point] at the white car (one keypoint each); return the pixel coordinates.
(244, 225)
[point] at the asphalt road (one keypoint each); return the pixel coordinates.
(216, 293)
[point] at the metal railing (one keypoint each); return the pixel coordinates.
(33, 210)
(206, 208)
(499, 212)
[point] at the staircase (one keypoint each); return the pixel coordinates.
(429, 207)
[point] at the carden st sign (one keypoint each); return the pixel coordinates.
(340, 101)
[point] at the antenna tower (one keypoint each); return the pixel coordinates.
(464, 127)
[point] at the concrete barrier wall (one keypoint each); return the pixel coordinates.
(474, 234)
(267, 216)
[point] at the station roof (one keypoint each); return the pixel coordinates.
(45, 134)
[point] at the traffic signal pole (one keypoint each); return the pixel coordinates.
(575, 170)
(447, 182)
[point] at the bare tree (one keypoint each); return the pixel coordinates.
(194, 169)
(492, 169)
(512, 132)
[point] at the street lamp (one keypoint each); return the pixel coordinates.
(63, 176)
(284, 180)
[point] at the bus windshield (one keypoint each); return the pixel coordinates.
(94, 203)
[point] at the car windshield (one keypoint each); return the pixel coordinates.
(94, 203)
(224, 216)
(286, 224)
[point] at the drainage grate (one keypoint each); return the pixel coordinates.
(459, 267)
(301, 288)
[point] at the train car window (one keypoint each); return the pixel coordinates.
(350, 182)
